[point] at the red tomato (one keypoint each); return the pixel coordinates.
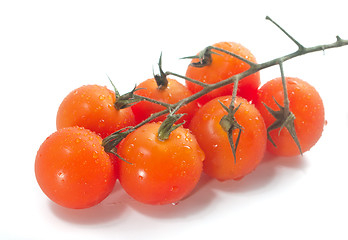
(91, 107)
(224, 66)
(173, 93)
(219, 162)
(162, 171)
(72, 168)
(307, 106)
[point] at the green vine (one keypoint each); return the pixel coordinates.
(284, 117)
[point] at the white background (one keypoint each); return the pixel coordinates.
(48, 48)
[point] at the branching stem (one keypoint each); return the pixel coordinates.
(188, 79)
(300, 46)
(254, 67)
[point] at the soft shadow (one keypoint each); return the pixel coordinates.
(263, 175)
(108, 210)
(296, 162)
(203, 195)
(197, 201)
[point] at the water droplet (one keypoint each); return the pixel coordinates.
(175, 203)
(141, 174)
(140, 154)
(95, 154)
(174, 189)
(215, 146)
(206, 116)
(78, 140)
(188, 148)
(178, 136)
(101, 123)
(101, 97)
(61, 176)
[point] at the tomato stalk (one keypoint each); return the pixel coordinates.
(229, 122)
(284, 117)
(130, 98)
(204, 57)
(161, 79)
(254, 67)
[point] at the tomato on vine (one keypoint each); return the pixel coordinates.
(159, 171)
(170, 93)
(215, 66)
(73, 170)
(221, 162)
(307, 107)
(92, 107)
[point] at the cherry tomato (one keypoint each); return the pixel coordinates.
(73, 170)
(213, 139)
(173, 93)
(91, 107)
(224, 66)
(307, 106)
(161, 171)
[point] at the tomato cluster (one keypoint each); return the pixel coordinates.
(222, 135)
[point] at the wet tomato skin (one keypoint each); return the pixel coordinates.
(307, 106)
(224, 66)
(73, 170)
(161, 171)
(219, 162)
(173, 93)
(92, 107)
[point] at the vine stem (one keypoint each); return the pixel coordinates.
(254, 67)
(285, 88)
(258, 67)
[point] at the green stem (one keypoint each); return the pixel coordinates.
(188, 79)
(253, 69)
(250, 63)
(142, 98)
(285, 88)
(300, 46)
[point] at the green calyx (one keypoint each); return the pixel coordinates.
(230, 124)
(204, 57)
(110, 142)
(127, 100)
(168, 126)
(161, 79)
(284, 118)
